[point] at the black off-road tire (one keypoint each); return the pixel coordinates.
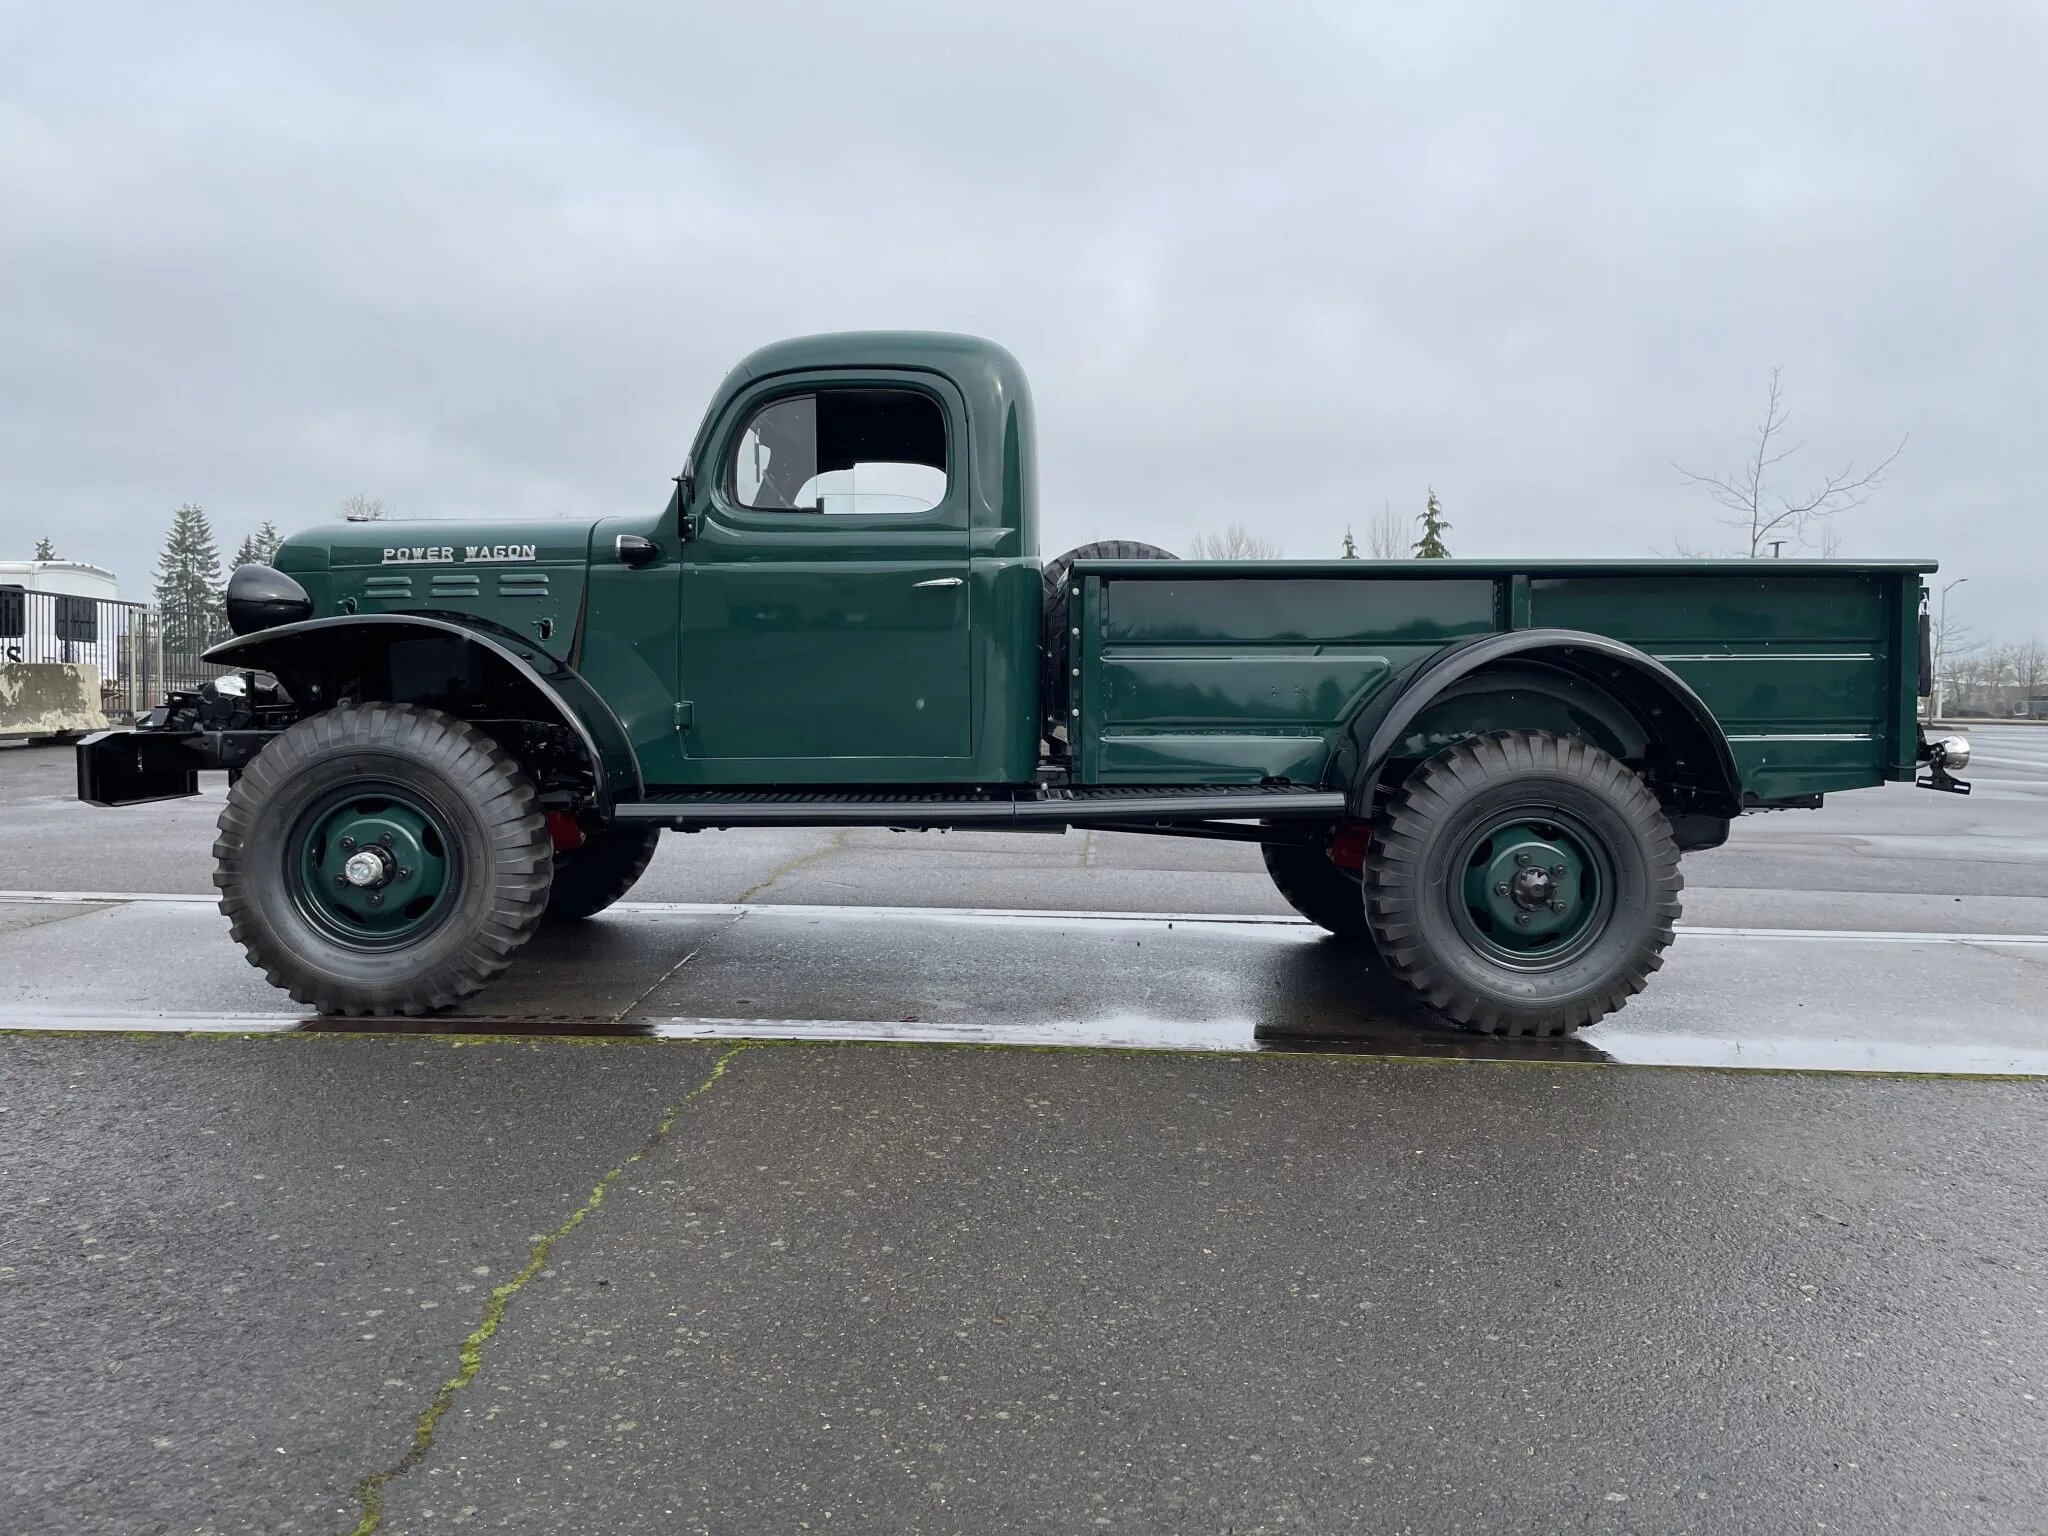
(1054, 650)
(1316, 888)
(591, 878)
(1410, 888)
(496, 837)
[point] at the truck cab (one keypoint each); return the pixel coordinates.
(852, 564)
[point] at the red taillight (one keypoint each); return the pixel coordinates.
(1347, 848)
(566, 830)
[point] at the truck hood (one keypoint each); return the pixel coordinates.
(526, 575)
(399, 544)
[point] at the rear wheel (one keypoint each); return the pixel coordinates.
(1524, 883)
(382, 859)
(1310, 882)
(590, 878)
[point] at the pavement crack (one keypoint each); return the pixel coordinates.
(835, 844)
(1990, 946)
(369, 1493)
(662, 980)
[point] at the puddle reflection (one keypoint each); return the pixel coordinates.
(1317, 995)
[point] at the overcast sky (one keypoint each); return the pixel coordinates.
(1264, 262)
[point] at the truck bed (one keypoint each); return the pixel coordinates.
(1200, 672)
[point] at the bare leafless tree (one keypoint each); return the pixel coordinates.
(2030, 667)
(362, 509)
(1953, 641)
(1236, 542)
(1762, 514)
(1386, 536)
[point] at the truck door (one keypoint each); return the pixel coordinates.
(825, 599)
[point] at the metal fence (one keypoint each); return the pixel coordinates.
(124, 641)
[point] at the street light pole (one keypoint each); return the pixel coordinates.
(1941, 646)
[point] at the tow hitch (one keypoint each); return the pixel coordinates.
(1940, 756)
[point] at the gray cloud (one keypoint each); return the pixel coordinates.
(1268, 263)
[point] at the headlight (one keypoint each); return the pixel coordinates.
(262, 598)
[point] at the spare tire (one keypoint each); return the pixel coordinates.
(1052, 687)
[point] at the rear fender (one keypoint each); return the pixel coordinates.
(422, 658)
(1587, 685)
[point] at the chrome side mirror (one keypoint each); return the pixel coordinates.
(634, 550)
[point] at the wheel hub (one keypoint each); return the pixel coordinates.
(1531, 887)
(1530, 890)
(371, 869)
(374, 868)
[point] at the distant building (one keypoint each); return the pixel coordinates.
(73, 578)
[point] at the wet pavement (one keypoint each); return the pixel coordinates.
(1292, 1256)
(1758, 997)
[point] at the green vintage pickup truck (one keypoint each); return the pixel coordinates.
(1482, 773)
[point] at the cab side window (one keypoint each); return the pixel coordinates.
(842, 450)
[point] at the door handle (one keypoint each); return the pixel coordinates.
(938, 581)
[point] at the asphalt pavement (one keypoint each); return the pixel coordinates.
(731, 1212)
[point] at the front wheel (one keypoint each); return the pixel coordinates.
(382, 859)
(1524, 883)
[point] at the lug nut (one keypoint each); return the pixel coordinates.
(1501, 889)
(342, 881)
(1520, 858)
(384, 841)
(1557, 871)
(404, 873)
(376, 898)
(1557, 906)
(348, 845)
(1523, 919)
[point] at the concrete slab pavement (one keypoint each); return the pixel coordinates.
(259, 1285)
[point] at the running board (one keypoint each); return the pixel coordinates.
(1111, 806)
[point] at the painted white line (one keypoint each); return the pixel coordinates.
(1794, 1054)
(1054, 916)
(1604, 1045)
(1211, 1035)
(942, 914)
(66, 1021)
(1863, 936)
(89, 898)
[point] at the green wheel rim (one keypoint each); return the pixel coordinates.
(1532, 890)
(373, 866)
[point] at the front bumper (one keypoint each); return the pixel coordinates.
(134, 767)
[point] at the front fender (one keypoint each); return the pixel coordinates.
(313, 656)
(1693, 759)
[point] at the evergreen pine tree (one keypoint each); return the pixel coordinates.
(247, 554)
(267, 541)
(1431, 545)
(1350, 547)
(45, 550)
(188, 581)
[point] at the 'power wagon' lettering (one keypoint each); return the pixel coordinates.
(444, 554)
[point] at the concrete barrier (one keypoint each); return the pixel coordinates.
(49, 698)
